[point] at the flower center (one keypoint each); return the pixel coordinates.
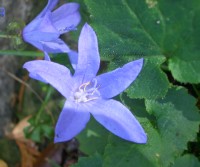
(86, 92)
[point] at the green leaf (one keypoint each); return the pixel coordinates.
(41, 128)
(126, 154)
(176, 116)
(93, 138)
(93, 161)
(184, 70)
(167, 128)
(119, 152)
(187, 161)
(182, 37)
(120, 32)
(123, 36)
(152, 83)
(47, 131)
(145, 28)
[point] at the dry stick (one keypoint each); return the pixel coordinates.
(21, 93)
(31, 89)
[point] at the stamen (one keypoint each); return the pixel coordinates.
(84, 94)
(95, 82)
(94, 98)
(94, 90)
(85, 85)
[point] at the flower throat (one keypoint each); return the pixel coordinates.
(86, 92)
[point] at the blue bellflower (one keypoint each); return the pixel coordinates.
(2, 11)
(44, 31)
(88, 94)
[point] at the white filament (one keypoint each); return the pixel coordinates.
(85, 94)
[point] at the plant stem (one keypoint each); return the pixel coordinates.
(7, 36)
(42, 108)
(21, 53)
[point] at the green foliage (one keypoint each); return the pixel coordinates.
(41, 123)
(9, 152)
(152, 82)
(123, 37)
(93, 139)
(187, 161)
(167, 131)
(37, 131)
(182, 38)
(120, 32)
(167, 124)
(143, 28)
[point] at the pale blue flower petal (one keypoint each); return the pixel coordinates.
(115, 82)
(46, 56)
(66, 17)
(35, 22)
(37, 77)
(46, 24)
(56, 46)
(55, 74)
(46, 37)
(72, 121)
(50, 5)
(44, 31)
(88, 55)
(73, 57)
(39, 36)
(118, 119)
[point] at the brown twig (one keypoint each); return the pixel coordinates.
(30, 88)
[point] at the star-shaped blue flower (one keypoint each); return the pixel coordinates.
(44, 31)
(88, 94)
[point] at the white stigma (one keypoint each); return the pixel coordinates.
(86, 92)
